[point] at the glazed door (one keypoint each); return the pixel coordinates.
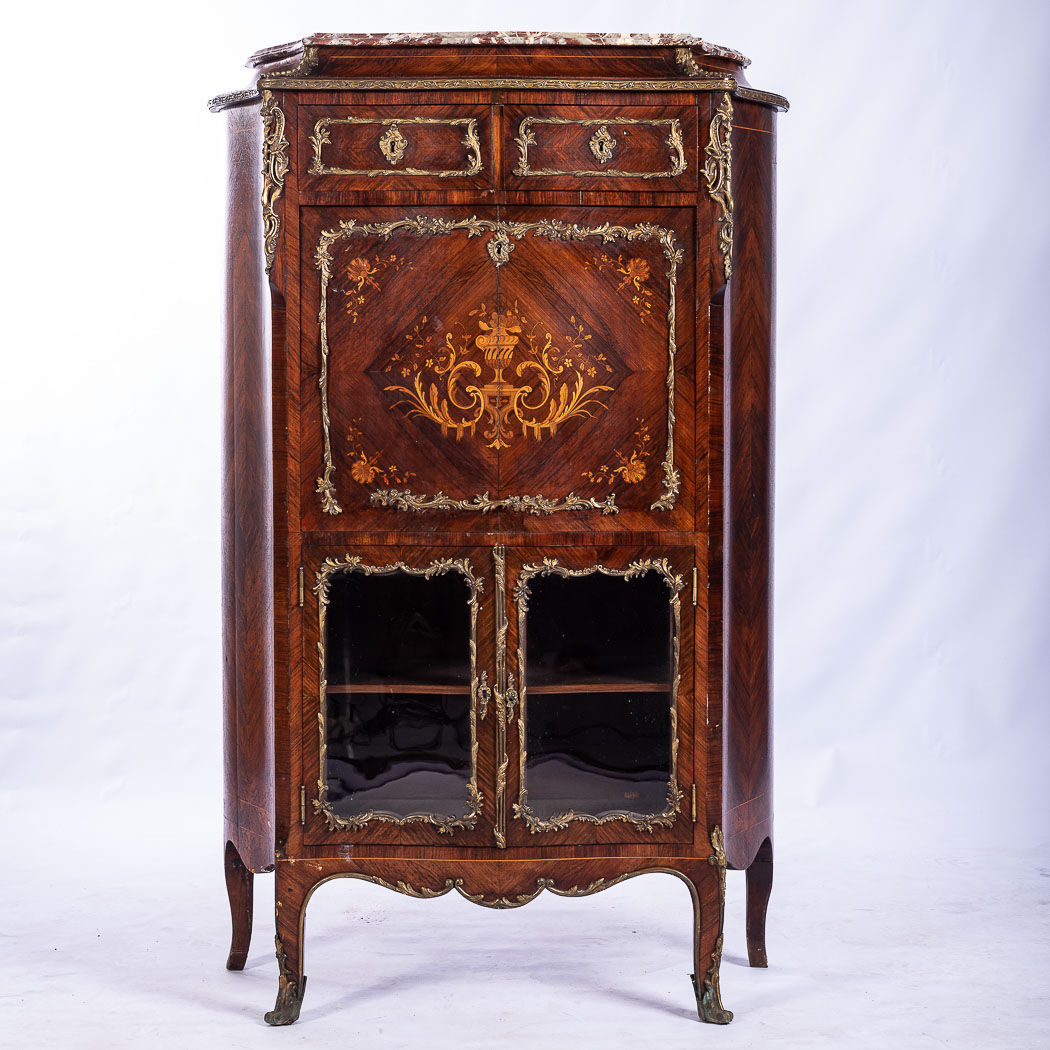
(397, 651)
(599, 679)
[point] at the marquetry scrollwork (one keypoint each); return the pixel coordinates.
(475, 801)
(718, 173)
(529, 384)
(526, 137)
(508, 233)
(393, 143)
(274, 170)
(673, 805)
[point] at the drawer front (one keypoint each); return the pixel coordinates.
(601, 147)
(395, 147)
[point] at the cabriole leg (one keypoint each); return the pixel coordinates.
(759, 884)
(291, 983)
(710, 885)
(239, 882)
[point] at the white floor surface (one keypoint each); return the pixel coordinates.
(875, 940)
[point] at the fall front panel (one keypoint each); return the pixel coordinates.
(596, 309)
(392, 300)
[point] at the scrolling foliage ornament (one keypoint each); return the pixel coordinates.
(479, 692)
(709, 997)
(673, 806)
(718, 173)
(499, 247)
(274, 170)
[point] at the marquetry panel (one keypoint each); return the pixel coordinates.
(600, 147)
(395, 147)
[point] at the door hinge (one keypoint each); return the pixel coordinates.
(302, 805)
(694, 803)
(302, 588)
(694, 585)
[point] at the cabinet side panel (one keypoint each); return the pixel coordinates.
(247, 528)
(748, 800)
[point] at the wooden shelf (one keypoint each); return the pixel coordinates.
(415, 688)
(600, 687)
(398, 687)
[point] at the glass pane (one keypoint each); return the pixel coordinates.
(398, 711)
(598, 668)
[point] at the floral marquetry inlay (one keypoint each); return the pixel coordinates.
(362, 277)
(366, 469)
(533, 380)
(631, 466)
(632, 274)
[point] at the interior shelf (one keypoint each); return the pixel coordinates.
(600, 686)
(398, 687)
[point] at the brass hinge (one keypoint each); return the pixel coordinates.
(302, 805)
(694, 803)
(302, 588)
(694, 585)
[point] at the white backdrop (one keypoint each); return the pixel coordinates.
(912, 559)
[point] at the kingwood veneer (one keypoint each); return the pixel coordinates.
(498, 475)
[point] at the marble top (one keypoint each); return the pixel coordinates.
(514, 39)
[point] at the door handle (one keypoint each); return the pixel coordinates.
(510, 698)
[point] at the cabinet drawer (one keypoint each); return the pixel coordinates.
(601, 147)
(395, 147)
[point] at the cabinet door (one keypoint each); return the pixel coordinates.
(534, 366)
(600, 652)
(598, 306)
(396, 690)
(393, 396)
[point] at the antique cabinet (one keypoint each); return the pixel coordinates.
(498, 475)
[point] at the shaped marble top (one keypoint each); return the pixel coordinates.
(515, 39)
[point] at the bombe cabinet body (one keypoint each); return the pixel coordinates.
(498, 475)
